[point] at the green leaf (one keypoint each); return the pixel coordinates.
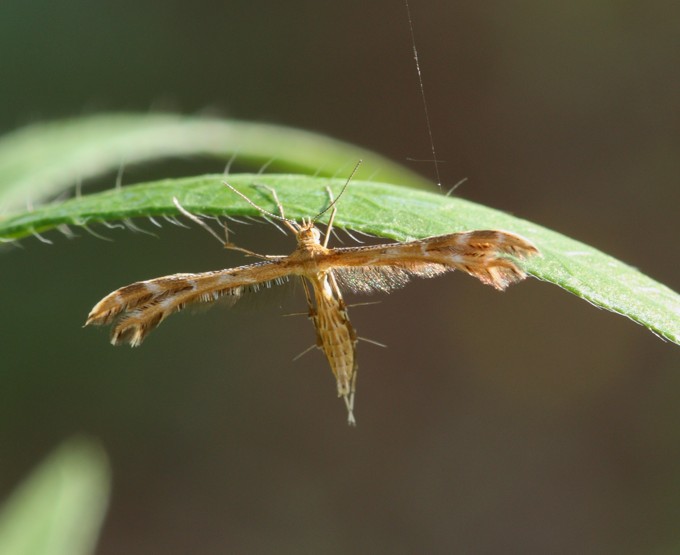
(38, 161)
(384, 210)
(59, 509)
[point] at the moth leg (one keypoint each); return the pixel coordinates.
(233, 247)
(308, 297)
(225, 242)
(303, 353)
(329, 227)
(336, 291)
(280, 216)
(272, 192)
(279, 206)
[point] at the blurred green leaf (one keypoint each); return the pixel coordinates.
(59, 509)
(41, 160)
(379, 209)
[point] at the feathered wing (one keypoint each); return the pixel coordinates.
(137, 309)
(483, 254)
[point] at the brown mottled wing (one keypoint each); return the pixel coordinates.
(482, 254)
(138, 308)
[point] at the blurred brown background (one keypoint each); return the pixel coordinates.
(527, 422)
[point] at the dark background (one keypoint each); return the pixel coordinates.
(524, 422)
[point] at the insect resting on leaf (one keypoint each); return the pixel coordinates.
(138, 308)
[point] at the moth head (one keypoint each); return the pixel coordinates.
(308, 234)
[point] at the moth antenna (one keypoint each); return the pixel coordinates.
(333, 201)
(339, 171)
(422, 94)
(200, 222)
